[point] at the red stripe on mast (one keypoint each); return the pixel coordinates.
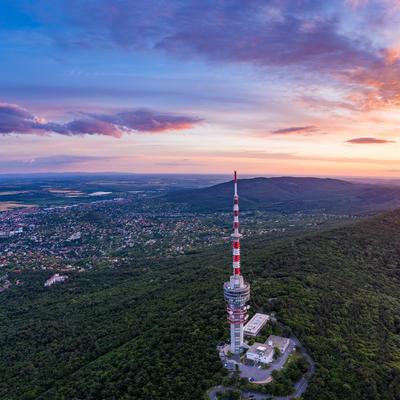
(236, 234)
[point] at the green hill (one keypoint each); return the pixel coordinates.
(149, 331)
(290, 194)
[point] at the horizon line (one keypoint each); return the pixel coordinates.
(254, 175)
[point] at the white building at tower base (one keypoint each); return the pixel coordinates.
(264, 352)
(254, 326)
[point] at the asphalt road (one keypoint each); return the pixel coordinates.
(302, 384)
(218, 389)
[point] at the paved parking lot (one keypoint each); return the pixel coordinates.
(261, 374)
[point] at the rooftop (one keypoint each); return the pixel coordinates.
(260, 348)
(256, 323)
(277, 341)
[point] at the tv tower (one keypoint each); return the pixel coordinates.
(236, 290)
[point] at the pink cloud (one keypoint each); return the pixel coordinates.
(368, 140)
(143, 120)
(302, 130)
(15, 119)
(376, 85)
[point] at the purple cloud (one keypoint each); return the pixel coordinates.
(302, 35)
(147, 121)
(266, 33)
(14, 119)
(297, 35)
(368, 140)
(308, 129)
(288, 41)
(86, 126)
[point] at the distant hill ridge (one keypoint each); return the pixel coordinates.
(292, 194)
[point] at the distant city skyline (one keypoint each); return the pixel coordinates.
(268, 87)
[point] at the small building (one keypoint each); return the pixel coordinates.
(260, 352)
(221, 345)
(74, 236)
(279, 342)
(56, 278)
(223, 350)
(254, 326)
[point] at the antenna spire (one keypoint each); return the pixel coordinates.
(236, 235)
(235, 181)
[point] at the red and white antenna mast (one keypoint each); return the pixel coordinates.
(236, 290)
(236, 235)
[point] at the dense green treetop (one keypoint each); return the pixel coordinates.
(149, 331)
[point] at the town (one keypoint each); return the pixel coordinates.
(80, 237)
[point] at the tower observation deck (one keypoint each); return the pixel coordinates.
(236, 290)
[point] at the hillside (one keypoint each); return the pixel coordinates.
(290, 194)
(148, 332)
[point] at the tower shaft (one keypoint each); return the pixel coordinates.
(236, 235)
(236, 290)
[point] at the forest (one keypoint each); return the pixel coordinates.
(149, 331)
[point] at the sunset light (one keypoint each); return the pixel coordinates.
(300, 88)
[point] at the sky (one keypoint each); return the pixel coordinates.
(289, 87)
